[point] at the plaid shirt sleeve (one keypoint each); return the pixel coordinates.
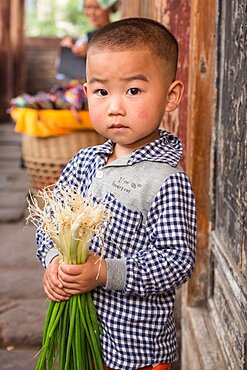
(46, 250)
(168, 260)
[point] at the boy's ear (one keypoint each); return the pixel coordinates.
(85, 88)
(174, 95)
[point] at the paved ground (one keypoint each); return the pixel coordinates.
(22, 309)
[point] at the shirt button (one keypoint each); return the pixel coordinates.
(99, 174)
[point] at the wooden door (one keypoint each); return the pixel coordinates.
(214, 328)
(228, 242)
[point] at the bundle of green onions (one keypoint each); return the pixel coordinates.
(71, 335)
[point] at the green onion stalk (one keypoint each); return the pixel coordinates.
(71, 334)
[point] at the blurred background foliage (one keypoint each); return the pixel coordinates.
(55, 18)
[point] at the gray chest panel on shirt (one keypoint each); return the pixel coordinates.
(135, 186)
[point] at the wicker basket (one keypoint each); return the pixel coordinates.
(45, 158)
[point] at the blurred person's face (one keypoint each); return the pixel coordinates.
(97, 16)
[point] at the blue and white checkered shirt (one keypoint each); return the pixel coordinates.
(149, 246)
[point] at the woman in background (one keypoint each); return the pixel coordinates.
(99, 14)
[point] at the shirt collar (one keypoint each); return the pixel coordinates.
(166, 149)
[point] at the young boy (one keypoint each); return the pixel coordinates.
(150, 241)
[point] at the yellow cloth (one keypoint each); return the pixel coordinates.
(44, 123)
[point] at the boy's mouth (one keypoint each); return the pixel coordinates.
(118, 126)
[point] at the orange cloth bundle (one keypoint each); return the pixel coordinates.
(45, 123)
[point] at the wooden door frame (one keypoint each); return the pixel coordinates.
(200, 347)
(201, 116)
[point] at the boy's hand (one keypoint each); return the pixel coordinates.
(52, 286)
(78, 279)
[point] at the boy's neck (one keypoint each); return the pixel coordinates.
(119, 152)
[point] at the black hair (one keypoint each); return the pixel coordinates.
(139, 33)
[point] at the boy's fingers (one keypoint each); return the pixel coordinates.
(56, 282)
(55, 295)
(73, 291)
(72, 286)
(56, 298)
(67, 280)
(52, 281)
(54, 288)
(51, 296)
(73, 270)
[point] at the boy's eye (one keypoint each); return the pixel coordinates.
(101, 92)
(133, 91)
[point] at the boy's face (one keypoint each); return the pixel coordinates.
(127, 95)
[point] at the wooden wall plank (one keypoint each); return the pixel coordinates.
(201, 113)
(11, 51)
(17, 40)
(168, 12)
(40, 56)
(6, 57)
(131, 8)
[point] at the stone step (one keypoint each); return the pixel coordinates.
(15, 358)
(13, 180)
(12, 205)
(22, 324)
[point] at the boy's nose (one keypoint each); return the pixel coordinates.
(116, 107)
